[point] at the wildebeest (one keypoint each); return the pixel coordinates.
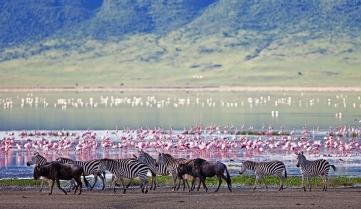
(200, 168)
(56, 171)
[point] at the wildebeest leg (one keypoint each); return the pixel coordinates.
(184, 184)
(219, 183)
(228, 181)
(58, 183)
(79, 184)
(193, 184)
(204, 184)
(51, 187)
(199, 184)
(114, 182)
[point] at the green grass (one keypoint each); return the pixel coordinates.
(340, 181)
(137, 62)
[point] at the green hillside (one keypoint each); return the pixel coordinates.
(218, 43)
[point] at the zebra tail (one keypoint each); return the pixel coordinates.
(285, 172)
(86, 181)
(333, 167)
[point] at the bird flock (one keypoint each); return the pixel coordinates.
(338, 142)
(337, 103)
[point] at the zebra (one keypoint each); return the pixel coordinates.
(155, 168)
(172, 165)
(127, 168)
(262, 169)
(310, 168)
(91, 167)
(39, 160)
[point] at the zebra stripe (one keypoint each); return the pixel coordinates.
(310, 168)
(37, 159)
(91, 167)
(172, 165)
(126, 168)
(262, 169)
(155, 168)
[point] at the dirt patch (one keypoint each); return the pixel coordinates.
(164, 198)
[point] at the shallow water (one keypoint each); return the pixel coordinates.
(289, 111)
(13, 162)
(84, 110)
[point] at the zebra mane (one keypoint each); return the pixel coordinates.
(251, 165)
(146, 155)
(166, 155)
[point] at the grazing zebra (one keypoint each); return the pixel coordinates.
(172, 165)
(126, 168)
(262, 169)
(313, 168)
(91, 167)
(155, 168)
(39, 160)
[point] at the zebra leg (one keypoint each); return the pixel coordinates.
(41, 185)
(174, 176)
(155, 182)
(265, 184)
(51, 187)
(58, 183)
(103, 180)
(326, 183)
(144, 185)
(152, 183)
(309, 183)
(95, 181)
(255, 183)
(303, 183)
(130, 182)
(281, 183)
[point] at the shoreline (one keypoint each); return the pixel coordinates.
(187, 89)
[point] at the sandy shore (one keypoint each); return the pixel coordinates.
(188, 89)
(163, 198)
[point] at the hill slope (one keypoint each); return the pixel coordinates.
(180, 43)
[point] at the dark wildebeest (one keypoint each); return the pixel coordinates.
(56, 171)
(200, 168)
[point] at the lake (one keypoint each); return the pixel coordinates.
(230, 118)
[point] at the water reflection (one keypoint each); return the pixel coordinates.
(110, 110)
(341, 146)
